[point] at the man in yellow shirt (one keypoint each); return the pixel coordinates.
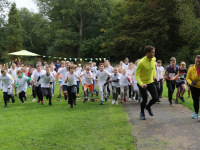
(145, 73)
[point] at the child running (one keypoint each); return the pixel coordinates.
(171, 74)
(124, 82)
(7, 82)
(60, 77)
(70, 80)
(47, 80)
(88, 76)
(114, 78)
(63, 71)
(181, 82)
(103, 78)
(21, 83)
(36, 74)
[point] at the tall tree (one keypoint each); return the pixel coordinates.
(72, 21)
(15, 39)
(4, 4)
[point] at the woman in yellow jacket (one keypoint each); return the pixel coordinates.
(193, 79)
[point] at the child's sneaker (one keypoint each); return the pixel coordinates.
(42, 102)
(5, 106)
(22, 103)
(116, 102)
(129, 99)
(92, 99)
(125, 99)
(101, 103)
(113, 101)
(121, 101)
(106, 99)
(85, 100)
(25, 98)
(34, 100)
(38, 101)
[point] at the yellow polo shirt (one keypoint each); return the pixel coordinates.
(192, 76)
(145, 71)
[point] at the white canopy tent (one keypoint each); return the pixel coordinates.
(23, 53)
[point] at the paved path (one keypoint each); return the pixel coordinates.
(171, 128)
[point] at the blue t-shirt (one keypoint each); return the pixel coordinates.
(57, 65)
(171, 71)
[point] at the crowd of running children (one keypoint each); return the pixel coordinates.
(121, 79)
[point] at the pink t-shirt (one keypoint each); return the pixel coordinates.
(198, 71)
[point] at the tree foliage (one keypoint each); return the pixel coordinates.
(103, 28)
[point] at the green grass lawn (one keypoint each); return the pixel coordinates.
(89, 126)
(188, 101)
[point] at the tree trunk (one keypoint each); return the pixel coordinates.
(80, 31)
(197, 8)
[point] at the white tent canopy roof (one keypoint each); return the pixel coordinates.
(23, 53)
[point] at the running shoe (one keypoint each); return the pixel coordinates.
(38, 101)
(176, 101)
(101, 103)
(149, 111)
(183, 100)
(92, 99)
(125, 99)
(142, 116)
(139, 101)
(129, 99)
(170, 102)
(65, 96)
(34, 100)
(42, 102)
(121, 101)
(158, 100)
(59, 96)
(106, 99)
(15, 94)
(85, 100)
(195, 116)
(13, 101)
(75, 104)
(97, 92)
(5, 106)
(22, 103)
(116, 102)
(136, 97)
(25, 98)
(188, 97)
(113, 101)
(50, 104)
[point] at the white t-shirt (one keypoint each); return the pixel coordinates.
(130, 73)
(115, 77)
(71, 78)
(78, 73)
(45, 80)
(125, 66)
(94, 71)
(102, 76)
(63, 71)
(7, 82)
(87, 80)
(162, 71)
(22, 82)
(79, 68)
(19, 68)
(124, 80)
(36, 75)
(53, 73)
(13, 73)
(110, 69)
